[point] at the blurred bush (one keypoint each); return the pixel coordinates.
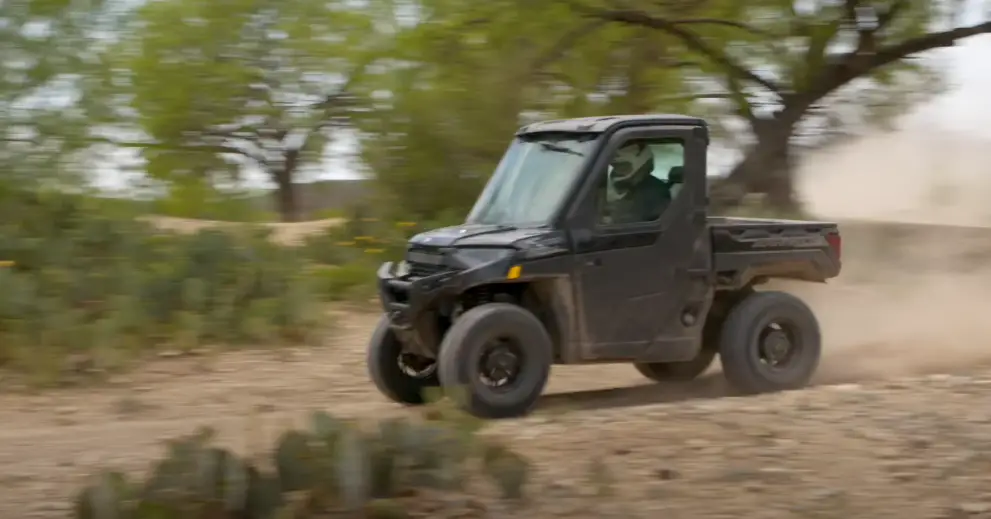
(194, 199)
(347, 282)
(333, 468)
(363, 238)
(87, 281)
(86, 285)
(345, 258)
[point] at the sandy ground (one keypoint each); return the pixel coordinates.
(284, 233)
(898, 423)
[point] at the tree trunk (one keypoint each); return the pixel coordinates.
(286, 202)
(285, 197)
(766, 170)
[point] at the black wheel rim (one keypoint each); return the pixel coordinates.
(500, 364)
(778, 345)
(416, 366)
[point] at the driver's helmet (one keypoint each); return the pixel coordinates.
(630, 166)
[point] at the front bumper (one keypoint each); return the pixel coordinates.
(411, 304)
(405, 298)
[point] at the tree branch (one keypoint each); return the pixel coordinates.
(563, 45)
(884, 18)
(204, 148)
(893, 53)
(726, 23)
(739, 98)
(852, 65)
(696, 97)
(688, 38)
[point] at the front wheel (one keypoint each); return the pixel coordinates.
(495, 360)
(400, 376)
(770, 342)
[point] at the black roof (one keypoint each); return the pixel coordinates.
(603, 123)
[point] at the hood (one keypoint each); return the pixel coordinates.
(476, 235)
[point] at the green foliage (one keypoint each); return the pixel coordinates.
(260, 83)
(434, 97)
(331, 467)
(90, 282)
(362, 238)
(347, 257)
(44, 45)
(476, 72)
(348, 282)
(195, 198)
(327, 214)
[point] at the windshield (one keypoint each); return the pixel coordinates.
(532, 179)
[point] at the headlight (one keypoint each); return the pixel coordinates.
(470, 258)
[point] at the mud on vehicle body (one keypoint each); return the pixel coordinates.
(563, 261)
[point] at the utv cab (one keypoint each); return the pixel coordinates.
(589, 244)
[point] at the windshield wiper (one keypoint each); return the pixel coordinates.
(549, 146)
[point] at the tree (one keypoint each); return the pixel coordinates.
(47, 54)
(790, 75)
(218, 87)
(791, 59)
(464, 77)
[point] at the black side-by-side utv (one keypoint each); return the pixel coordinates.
(550, 268)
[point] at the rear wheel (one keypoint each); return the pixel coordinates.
(495, 360)
(770, 341)
(400, 376)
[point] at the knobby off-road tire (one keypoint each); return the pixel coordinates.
(384, 368)
(470, 338)
(740, 343)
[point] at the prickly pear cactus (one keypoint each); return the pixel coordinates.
(295, 457)
(353, 470)
(507, 469)
(194, 481)
(107, 497)
(332, 467)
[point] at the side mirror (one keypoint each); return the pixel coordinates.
(676, 175)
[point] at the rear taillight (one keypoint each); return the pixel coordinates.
(835, 243)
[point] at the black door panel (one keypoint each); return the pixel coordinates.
(633, 283)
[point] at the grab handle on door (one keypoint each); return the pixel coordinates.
(594, 262)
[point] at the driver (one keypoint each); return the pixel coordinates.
(640, 197)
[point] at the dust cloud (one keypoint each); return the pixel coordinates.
(905, 176)
(912, 299)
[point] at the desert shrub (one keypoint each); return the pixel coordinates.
(87, 282)
(332, 246)
(333, 468)
(350, 281)
(193, 198)
(327, 214)
(346, 257)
